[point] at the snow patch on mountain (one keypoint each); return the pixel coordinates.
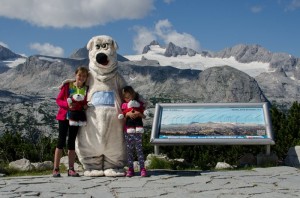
(49, 59)
(199, 62)
(12, 63)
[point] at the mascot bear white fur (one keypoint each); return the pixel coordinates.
(100, 144)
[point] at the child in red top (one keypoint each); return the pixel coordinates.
(65, 129)
(133, 128)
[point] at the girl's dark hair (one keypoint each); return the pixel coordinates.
(130, 90)
(82, 69)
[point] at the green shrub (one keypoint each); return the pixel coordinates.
(157, 163)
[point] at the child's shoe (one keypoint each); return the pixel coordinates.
(72, 173)
(56, 172)
(143, 172)
(130, 172)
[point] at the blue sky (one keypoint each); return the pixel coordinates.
(58, 27)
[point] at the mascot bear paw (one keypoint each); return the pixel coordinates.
(114, 172)
(93, 173)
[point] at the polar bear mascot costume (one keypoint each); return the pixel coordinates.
(100, 145)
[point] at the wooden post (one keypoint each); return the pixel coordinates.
(156, 149)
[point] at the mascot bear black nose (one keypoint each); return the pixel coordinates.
(101, 58)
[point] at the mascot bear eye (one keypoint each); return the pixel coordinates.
(104, 45)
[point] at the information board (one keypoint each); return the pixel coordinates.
(212, 123)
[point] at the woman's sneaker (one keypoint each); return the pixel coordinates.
(130, 172)
(143, 172)
(72, 173)
(56, 172)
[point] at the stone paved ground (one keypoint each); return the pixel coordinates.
(281, 182)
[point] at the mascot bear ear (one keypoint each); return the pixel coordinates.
(89, 46)
(115, 44)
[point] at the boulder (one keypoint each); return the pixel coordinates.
(21, 164)
(223, 165)
(293, 157)
(46, 165)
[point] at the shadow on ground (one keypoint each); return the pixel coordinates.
(179, 173)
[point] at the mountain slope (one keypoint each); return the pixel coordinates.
(39, 74)
(215, 84)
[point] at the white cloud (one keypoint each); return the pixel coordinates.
(164, 31)
(295, 4)
(47, 49)
(144, 37)
(256, 9)
(74, 13)
(3, 44)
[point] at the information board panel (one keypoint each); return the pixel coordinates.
(212, 123)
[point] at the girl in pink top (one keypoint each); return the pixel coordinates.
(133, 128)
(65, 129)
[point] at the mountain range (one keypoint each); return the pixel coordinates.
(242, 73)
(277, 74)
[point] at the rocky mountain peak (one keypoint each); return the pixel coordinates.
(154, 42)
(246, 53)
(80, 53)
(6, 54)
(256, 53)
(173, 50)
(147, 47)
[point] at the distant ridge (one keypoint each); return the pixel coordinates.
(82, 53)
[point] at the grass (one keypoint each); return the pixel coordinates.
(10, 172)
(17, 173)
(157, 163)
